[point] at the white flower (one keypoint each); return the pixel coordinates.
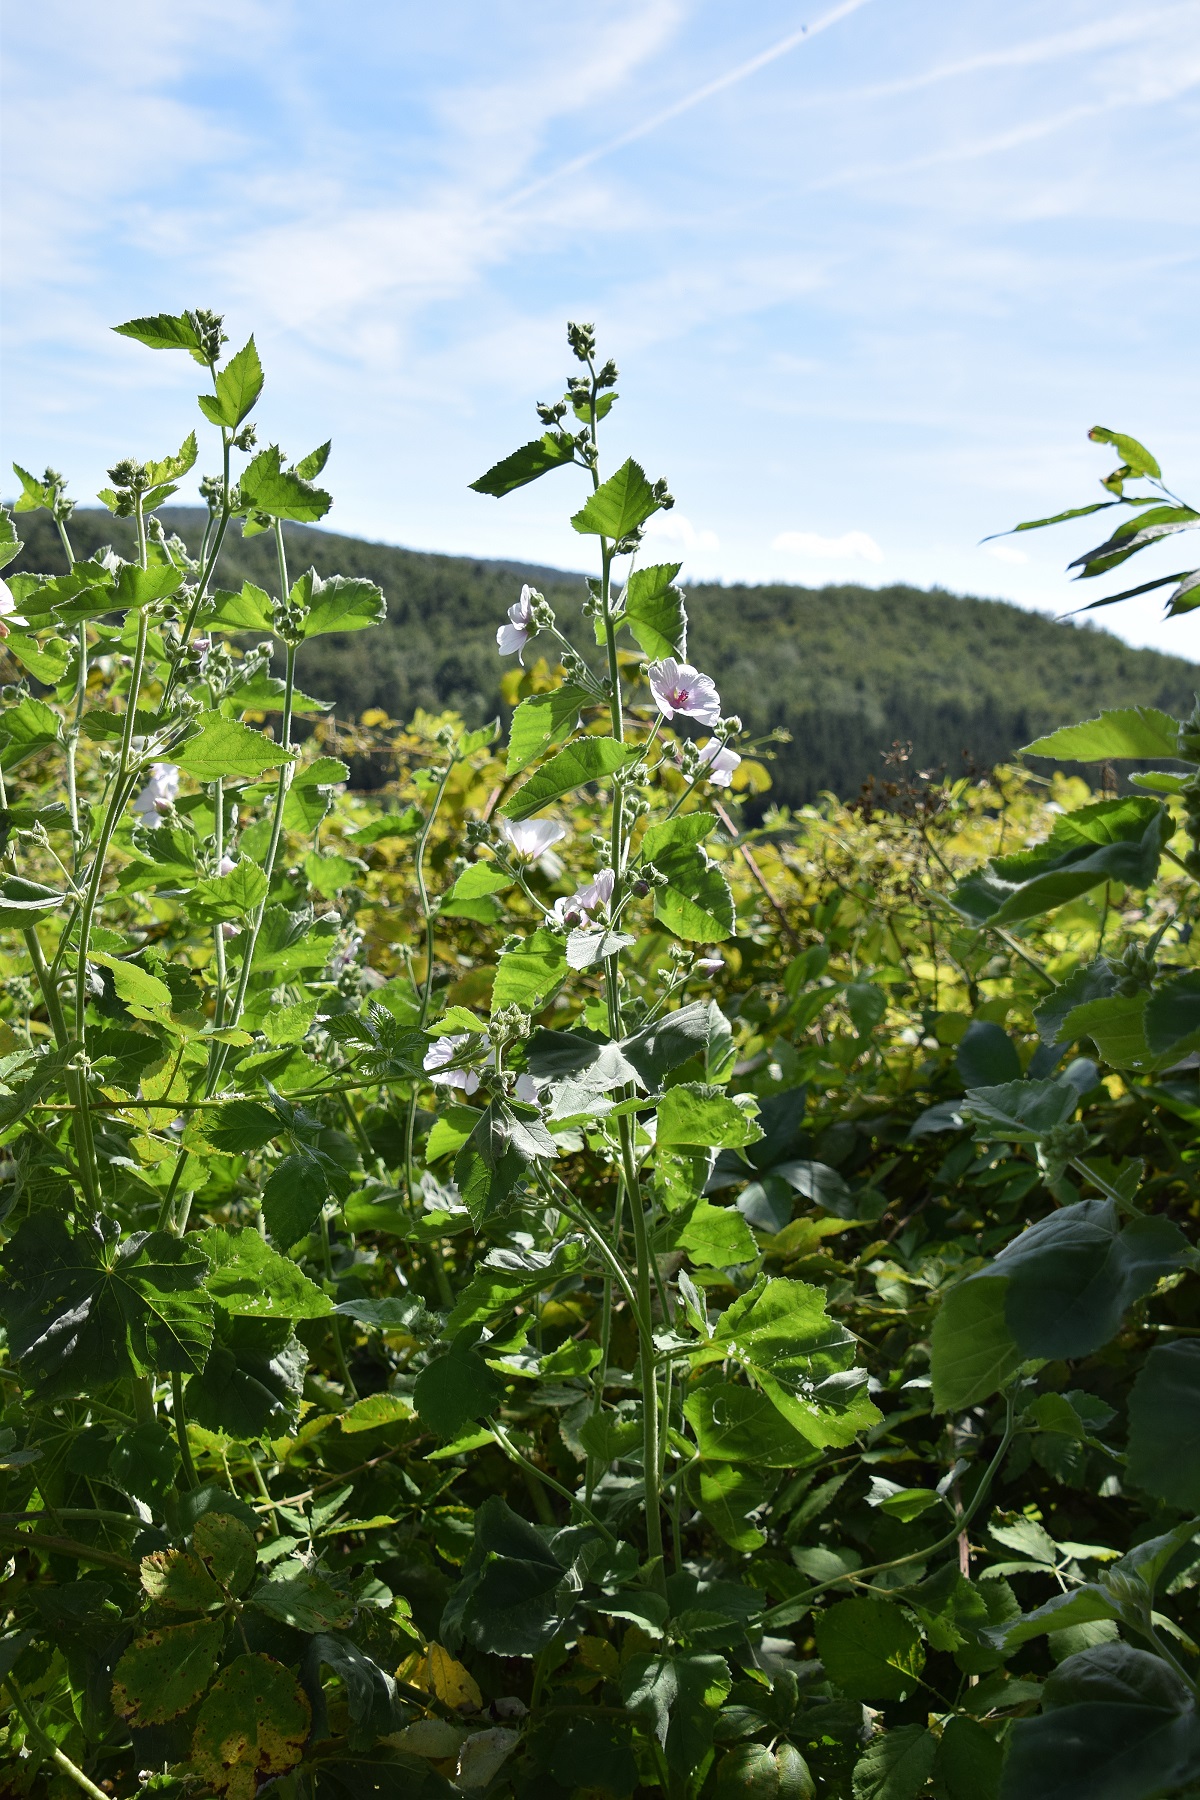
(226, 866)
(710, 964)
(597, 892)
(512, 638)
(526, 1089)
(159, 793)
(573, 909)
(443, 1050)
(678, 688)
(8, 610)
(230, 930)
(719, 761)
(532, 837)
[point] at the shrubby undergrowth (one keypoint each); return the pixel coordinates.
(524, 1285)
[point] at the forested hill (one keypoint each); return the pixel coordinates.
(847, 670)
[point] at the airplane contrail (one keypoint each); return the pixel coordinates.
(728, 80)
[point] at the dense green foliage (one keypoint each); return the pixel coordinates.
(846, 671)
(527, 1287)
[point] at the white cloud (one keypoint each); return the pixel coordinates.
(676, 532)
(852, 546)
(1006, 553)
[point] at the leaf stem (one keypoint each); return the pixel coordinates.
(57, 1756)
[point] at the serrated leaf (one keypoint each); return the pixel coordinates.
(1164, 1412)
(252, 1383)
(550, 451)
(280, 492)
(973, 1352)
(230, 896)
(654, 610)
(528, 976)
(696, 1113)
(588, 759)
(238, 386)
(1112, 840)
(87, 1309)
(162, 331)
(619, 505)
(896, 1765)
(696, 904)
(305, 1602)
(180, 1581)
(251, 1280)
(1126, 731)
(223, 748)
(454, 1390)
(343, 603)
(542, 720)
(871, 1650)
(164, 1672)
(250, 609)
(253, 1724)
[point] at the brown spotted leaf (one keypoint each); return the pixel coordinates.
(252, 1724)
(166, 1671)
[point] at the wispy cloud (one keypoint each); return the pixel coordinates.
(852, 546)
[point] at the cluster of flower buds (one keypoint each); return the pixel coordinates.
(129, 479)
(207, 327)
(1136, 969)
(1058, 1149)
(511, 1024)
(288, 618)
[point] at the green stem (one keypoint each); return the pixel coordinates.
(510, 1449)
(81, 1122)
(335, 1324)
(57, 1756)
(179, 1415)
(218, 929)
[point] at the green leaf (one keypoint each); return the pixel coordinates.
(1020, 1112)
(871, 1650)
(24, 903)
(506, 1277)
(310, 466)
(619, 505)
(145, 1462)
(136, 987)
(968, 1760)
(696, 903)
(171, 467)
(330, 873)
(716, 1237)
(1164, 1425)
(165, 1672)
(698, 1030)
(480, 879)
(1117, 1027)
(1112, 840)
(781, 1335)
(1171, 1021)
(87, 1309)
(550, 451)
(163, 331)
(654, 610)
(26, 728)
(312, 791)
(253, 1724)
(897, 1764)
(295, 1194)
(243, 1125)
(223, 748)
(680, 1695)
(454, 1390)
(973, 1351)
(693, 1113)
(506, 1602)
(227, 1549)
(1116, 1724)
(178, 1580)
(250, 609)
(230, 896)
(529, 976)
(1091, 981)
(305, 1602)
(542, 720)
(729, 1497)
(47, 660)
(343, 603)
(252, 1383)
(269, 488)
(1126, 731)
(238, 386)
(740, 1425)
(1137, 457)
(10, 543)
(251, 1280)
(136, 587)
(588, 759)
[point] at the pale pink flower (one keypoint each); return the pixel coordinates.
(8, 610)
(443, 1051)
(526, 1090)
(678, 688)
(720, 762)
(710, 964)
(229, 929)
(159, 794)
(573, 909)
(532, 837)
(512, 638)
(226, 866)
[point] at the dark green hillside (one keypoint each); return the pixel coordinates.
(845, 669)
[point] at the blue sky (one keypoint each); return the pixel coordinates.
(866, 295)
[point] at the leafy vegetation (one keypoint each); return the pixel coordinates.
(526, 1283)
(845, 671)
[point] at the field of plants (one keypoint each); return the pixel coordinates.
(524, 1283)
